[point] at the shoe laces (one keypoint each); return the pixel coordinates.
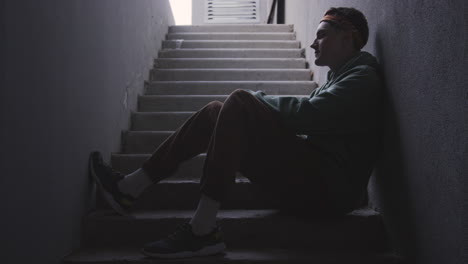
(110, 171)
(181, 230)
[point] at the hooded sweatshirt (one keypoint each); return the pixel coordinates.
(342, 119)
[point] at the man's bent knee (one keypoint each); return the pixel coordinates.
(240, 97)
(240, 93)
(214, 105)
(212, 109)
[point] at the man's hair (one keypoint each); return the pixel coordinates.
(353, 16)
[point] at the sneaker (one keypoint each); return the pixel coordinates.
(185, 244)
(106, 179)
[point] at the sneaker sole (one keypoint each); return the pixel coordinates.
(206, 251)
(107, 196)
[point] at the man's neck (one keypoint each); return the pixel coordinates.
(343, 61)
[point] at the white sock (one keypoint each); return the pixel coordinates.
(135, 183)
(204, 219)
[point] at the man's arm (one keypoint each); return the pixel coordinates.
(345, 107)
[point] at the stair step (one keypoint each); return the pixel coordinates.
(132, 255)
(227, 87)
(160, 103)
(232, 28)
(232, 53)
(158, 121)
(232, 36)
(231, 44)
(359, 230)
(127, 163)
(230, 74)
(184, 195)
(232, 63)
(141, 142)
(189, 170)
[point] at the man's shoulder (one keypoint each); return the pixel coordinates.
(362, 69)
(362, 72)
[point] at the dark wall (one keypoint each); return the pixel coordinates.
(420, 180)
(73, 70)
(2, 48)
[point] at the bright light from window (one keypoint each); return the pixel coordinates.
(182, 10)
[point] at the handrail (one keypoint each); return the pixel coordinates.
(270, 16)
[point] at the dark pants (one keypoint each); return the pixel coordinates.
(244, 135)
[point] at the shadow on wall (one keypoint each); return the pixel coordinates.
(389, 183)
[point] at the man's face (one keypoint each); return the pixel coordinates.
(328, 45)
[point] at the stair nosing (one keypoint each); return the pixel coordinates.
(223, 213)
(164, 112)
(234, 41)
(150, 131)
(207, 95)
(231, 69)
(233, 33)
(130, 253)
(235, 49)
(142, 154)
(244, 81)
(231, 59)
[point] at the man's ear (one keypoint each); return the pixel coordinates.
(348, 37)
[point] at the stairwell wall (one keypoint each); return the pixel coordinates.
(420, 180)
(71, 73)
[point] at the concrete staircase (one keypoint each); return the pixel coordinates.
(199, 64)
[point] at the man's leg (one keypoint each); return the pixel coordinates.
(249, 138)
(242, 120)
(223, 134)
(241, 116)
(238, 118)
(187, 141)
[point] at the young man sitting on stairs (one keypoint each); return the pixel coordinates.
(258, 135)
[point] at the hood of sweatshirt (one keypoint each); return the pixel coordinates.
(362, 58)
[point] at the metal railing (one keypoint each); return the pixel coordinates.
(232, 11)
(278, 6)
